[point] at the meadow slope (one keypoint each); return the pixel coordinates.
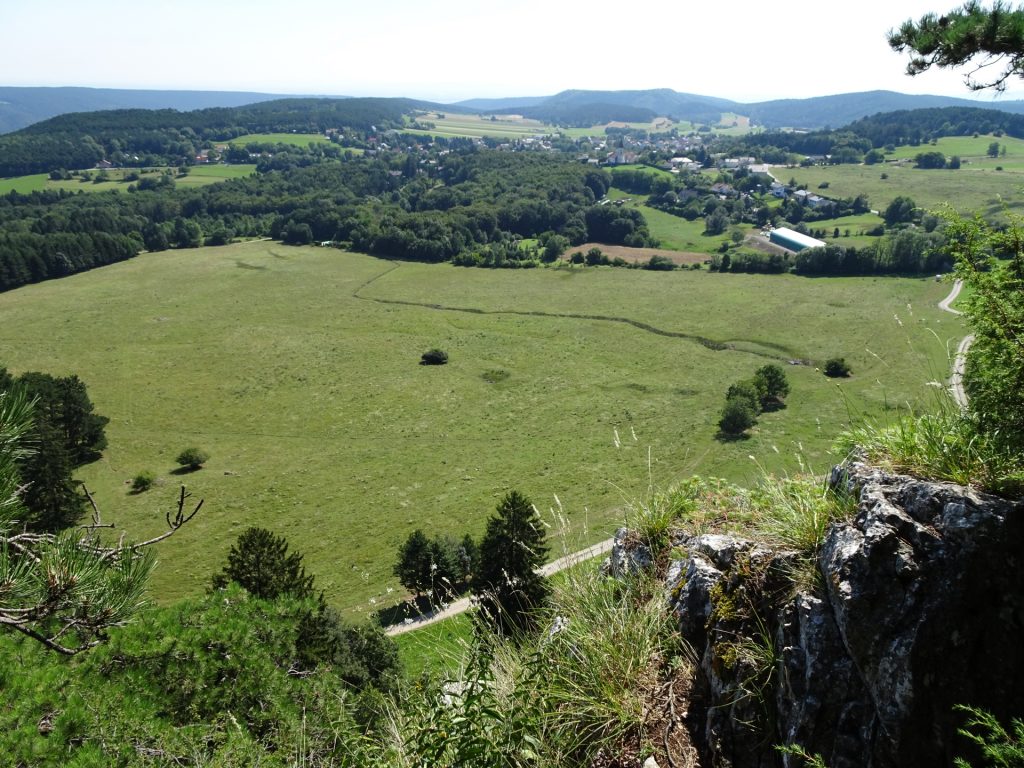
(297, 369)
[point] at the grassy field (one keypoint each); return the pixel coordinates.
(968, 148)
(678, 234)
(294, 139)
(297, 369)
(201, 175)
(436, 648)
(198, 176)
(857, 226)
(474, 126)
(732, 124)
(971, 188)
(658, 125)
(673, 232)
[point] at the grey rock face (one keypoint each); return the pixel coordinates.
(921, 608)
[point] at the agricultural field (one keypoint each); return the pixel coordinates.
(451, 125)
(732, 124)
(968, 189)
(973, 152)
(637, 255)
(201, 175)
(297, 369)
(857, 226)
(198, 176)
(295, 139)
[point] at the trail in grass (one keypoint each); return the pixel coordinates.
(712, 344)
(956, 380)
(446, 611)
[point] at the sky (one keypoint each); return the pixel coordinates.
(746, 50)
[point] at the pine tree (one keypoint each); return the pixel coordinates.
(413, 565)
(507, 583)
(66, 434)
(63, 590)
(260, 562)
(970, 32)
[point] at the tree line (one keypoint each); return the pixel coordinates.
(396, 205)
(854, 143)
(144, 137)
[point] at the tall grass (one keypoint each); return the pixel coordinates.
(942, 444)
(796, 512)
(585, 685)
(611, 646)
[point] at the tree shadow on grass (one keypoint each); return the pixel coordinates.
(184, 470)
(407, 609)
(728, 437)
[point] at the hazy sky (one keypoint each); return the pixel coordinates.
(748, 50)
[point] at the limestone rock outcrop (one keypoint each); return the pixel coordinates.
(919, 607)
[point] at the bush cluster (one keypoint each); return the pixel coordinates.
(434, 357)
(192, 458)
(837, 368)
(746, 399)
(441, 565)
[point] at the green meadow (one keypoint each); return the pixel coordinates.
(201, 175)
(674, 233)
(679, 234)
(658, 125)
(973, 187)
(297, 369)
(295, 139)
(198, 176)
(971, 148)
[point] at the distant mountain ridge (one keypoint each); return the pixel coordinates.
(843, 109)
(20, 107)
(577, 106)
(503, 105)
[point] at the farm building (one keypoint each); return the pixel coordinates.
(793, 241)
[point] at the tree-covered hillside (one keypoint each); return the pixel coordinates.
(468, 203)
(141, 137)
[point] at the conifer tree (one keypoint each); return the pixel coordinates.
(65, 589)
(512, 550)
(260, 562)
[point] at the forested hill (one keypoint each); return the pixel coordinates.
(166, 136)
(577, 107)
(279, 115)
(841, 109)
(917, 125)
(20, 107)
(474, 208)
(851, 143)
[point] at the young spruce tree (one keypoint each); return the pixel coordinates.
(507, 583)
